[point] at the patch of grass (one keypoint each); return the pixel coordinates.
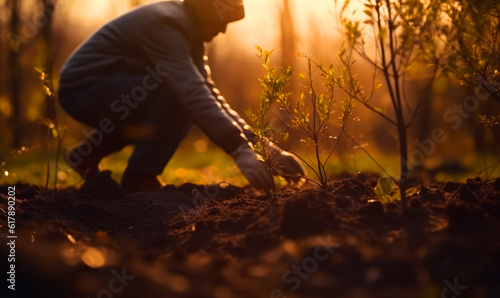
(211, 165)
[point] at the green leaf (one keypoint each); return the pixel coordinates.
(55, 133)
(249, 113)
(259, 49)
(395, 197)
(340, 81)
(385, 186)
(342, 53)
(383, 33)
(411, 191)
(380, 111)
(344, 7)
(285, 137)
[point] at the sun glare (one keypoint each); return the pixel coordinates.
(261, 26)
(97, 10)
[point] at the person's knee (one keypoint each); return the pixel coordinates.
(71, 102)
(64, 101)
(73, 159)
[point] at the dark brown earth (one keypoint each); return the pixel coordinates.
(222, 241)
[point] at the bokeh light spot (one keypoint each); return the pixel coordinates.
(201, 145)
(62, 176)
(94, 258)
(71, 238)
(181, 172)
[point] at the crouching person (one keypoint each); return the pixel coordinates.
(142, 80)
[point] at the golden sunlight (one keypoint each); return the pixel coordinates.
(96, 10)
(261, 26)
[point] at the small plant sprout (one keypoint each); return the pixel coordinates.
(273, 86)
(54, 130)
(388, 192)
(310, 115)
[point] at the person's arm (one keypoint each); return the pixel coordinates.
(168, 52)
(232, 113)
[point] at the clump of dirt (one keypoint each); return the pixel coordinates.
(223, 241)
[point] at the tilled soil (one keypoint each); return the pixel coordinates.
(222, 241)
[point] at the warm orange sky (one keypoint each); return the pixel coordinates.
(257, 28)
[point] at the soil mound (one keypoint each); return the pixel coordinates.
(223, 241)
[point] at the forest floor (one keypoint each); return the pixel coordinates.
(222, 241)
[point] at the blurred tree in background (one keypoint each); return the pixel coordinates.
(3, 17)
(462, 38)
(471, 32)
(288, 38)
(14, 72)
(44, 60)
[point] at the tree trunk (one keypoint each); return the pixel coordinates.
(287, 35)
(403, 153)
(288, 43)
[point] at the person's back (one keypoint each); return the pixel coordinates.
(118, 46)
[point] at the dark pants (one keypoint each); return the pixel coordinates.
(130, 108)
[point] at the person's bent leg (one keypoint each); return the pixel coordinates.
(85, 157)
(102, 105)
(167, 126)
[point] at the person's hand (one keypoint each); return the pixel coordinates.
(287, 165)
(256, 172)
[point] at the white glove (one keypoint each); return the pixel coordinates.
(256, 172)
(287, 165)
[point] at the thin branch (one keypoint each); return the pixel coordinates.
(371, 108)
